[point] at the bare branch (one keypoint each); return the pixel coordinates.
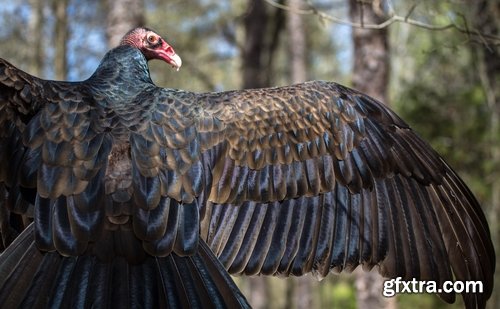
(485, 37)
(410, 11)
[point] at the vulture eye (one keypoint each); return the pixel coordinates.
(152, 39)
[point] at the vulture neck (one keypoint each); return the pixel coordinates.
(124, 71)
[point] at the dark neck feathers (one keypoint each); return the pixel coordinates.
(122, 74)
(125, 63)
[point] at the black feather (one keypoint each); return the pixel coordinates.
(31, 278)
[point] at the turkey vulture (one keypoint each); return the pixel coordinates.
(144, 196)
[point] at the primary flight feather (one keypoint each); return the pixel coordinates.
(134, 188)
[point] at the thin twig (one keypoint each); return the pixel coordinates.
(410, 11)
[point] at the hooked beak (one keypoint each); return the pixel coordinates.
(175, 61)
(167, 54)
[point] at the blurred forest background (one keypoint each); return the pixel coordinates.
(436, 62)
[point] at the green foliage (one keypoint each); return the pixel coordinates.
(405, 301)
(343, 295)
(443, 100)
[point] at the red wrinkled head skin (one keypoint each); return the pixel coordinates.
(152, 46)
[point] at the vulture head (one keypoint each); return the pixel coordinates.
(152, 45)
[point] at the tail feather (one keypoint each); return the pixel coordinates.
(30, 278)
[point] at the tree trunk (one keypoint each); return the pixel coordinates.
(255, 23)
(371, 76)
(61, 36)
(263, 26)
(258, 292)
(371, 50)
(123, 15)
(296, 44)
(36, 37)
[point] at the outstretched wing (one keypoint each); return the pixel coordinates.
(52, 146)
(20, 100)
(318, 177)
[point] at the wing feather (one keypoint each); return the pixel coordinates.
(317, 177)
(55, 156)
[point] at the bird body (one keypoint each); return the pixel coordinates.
(120, 175)
(77, 135)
